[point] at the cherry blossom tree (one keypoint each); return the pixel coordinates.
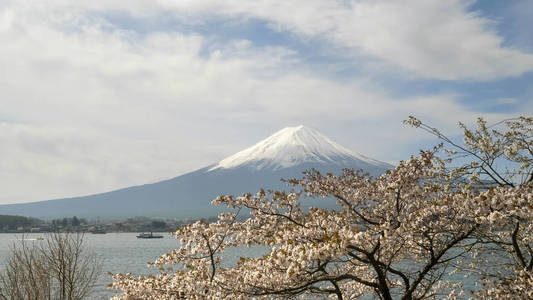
(498, 164)
(398, 236)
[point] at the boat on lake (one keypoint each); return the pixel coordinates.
(98, 231)
(149, 236)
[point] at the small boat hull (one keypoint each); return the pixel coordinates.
(149, 236)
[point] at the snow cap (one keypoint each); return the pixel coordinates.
(289, 147)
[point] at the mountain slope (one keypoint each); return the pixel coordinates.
(283, 155)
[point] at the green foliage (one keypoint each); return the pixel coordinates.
(158, 224)
(66, 222)
(13, 222)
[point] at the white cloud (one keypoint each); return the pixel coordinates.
(93, 107)
(430, 39)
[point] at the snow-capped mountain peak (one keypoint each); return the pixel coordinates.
(289, 147)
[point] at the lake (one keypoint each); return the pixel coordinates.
(120, 252)
(124, 253)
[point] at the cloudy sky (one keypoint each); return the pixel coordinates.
(98, 95)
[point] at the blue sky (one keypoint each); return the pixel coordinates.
(107, 94)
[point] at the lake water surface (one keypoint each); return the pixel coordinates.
(124, 253)
(119, 252)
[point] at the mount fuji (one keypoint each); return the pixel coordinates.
(285, 154)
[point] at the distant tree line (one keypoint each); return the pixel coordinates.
(10, 223)
(13, 222)
(69, 222)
